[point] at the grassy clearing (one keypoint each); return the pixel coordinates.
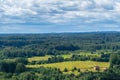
(66, 56)
(83, 65)
(38, 58)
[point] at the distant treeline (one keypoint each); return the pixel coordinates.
(28, 45)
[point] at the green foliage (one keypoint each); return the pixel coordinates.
(20, 67)
(21, 60)
(7, 67)
(78, 69)
(28, 45)
(25, 76)
(65, 70)
(43, 73)
(55, 59)
(8, 75)
(12, 67)
(114, 59)
(67, 47)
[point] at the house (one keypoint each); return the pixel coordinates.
(96, 68)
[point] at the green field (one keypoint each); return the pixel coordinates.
(83, 65)
(66, 56)
(38, 58)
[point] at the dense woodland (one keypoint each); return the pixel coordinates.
(28, 45)
(21, 46)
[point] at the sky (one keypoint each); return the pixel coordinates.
(52, 16)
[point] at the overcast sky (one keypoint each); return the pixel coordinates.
(46, 16)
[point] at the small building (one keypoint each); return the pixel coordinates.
(96, 68)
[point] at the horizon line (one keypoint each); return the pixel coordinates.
(55, 32)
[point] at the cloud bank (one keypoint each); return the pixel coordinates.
(60, 12)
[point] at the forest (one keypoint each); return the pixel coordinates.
(19, 53)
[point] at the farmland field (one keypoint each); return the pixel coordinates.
(83, 65)
(38, 58)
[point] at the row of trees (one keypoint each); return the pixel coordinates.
(54, 59)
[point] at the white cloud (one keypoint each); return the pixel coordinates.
(58, 11)
(117, 6)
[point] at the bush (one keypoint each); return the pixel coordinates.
(20, 68)
(27, 76)
(65, 70)
(79, 70)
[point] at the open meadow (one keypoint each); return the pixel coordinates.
(83, 65)
(38, 58)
